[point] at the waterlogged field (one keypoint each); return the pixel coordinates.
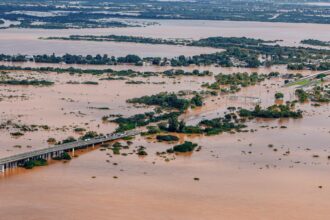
(272, 169)
(26, 41)
(232, 172)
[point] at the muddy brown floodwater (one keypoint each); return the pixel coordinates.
(234, 176)
(26, 41)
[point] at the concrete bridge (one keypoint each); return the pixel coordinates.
(57, 150)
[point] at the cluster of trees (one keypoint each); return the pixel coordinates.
(246, 52)
(167, 138)
(186, 73)
(74, 59)
(121, 38)
(89, 135)
(27, 82)
(215, 42)
(279, 95)
(240, 79)
(14, 58)
(70, 70)
(219, 58)
(88, 59)
(219, 125)
(139, 120)
(120, 73)
(316, 42)
(187, 146)
(233, 82)
(320, 66)
(239, 52)
(246, 58)
(274, 111)
(226, 42)
(316, 94)
(320, 94)
(208, 127)
(63, 156)
(302, 95)
(168, 100)
(34, 163)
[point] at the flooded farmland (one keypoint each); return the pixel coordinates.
(26, 41)
(277, 169)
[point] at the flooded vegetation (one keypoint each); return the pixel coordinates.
(235, 52)
(237, 127)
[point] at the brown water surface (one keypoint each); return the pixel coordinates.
(271, 172)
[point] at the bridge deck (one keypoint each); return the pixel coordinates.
(65, 147)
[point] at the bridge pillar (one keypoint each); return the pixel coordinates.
(2, 168)
(73, 152)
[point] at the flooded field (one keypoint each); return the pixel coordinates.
(26, 41)
(239, 175)
(152, 68)
(277, 169)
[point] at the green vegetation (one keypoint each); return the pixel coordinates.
(112, 74)
(197, 100)
(299, 82)
(119, 38)
(152, 130)
(239, 79)
(16, 134)
(320, 94)
(218, 125)
(90, 83)
(63, 156)
(116, 147)
(185, 73)
(173, 124)
(316, 94)
(51, 140)
(208, 127)
(140, 120)
(68, 140)
(164, 100)
(227, 42)
(217, 42)
(167, 138)
(314, 42)
(239, 51)
(187, 146)
(34, 163)
(248, 53)
(27, 82)
(279, 95)
(141, 151)
(233, 82)
(79, 129)
(89, 135)
(274, 111)
(302, 95)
